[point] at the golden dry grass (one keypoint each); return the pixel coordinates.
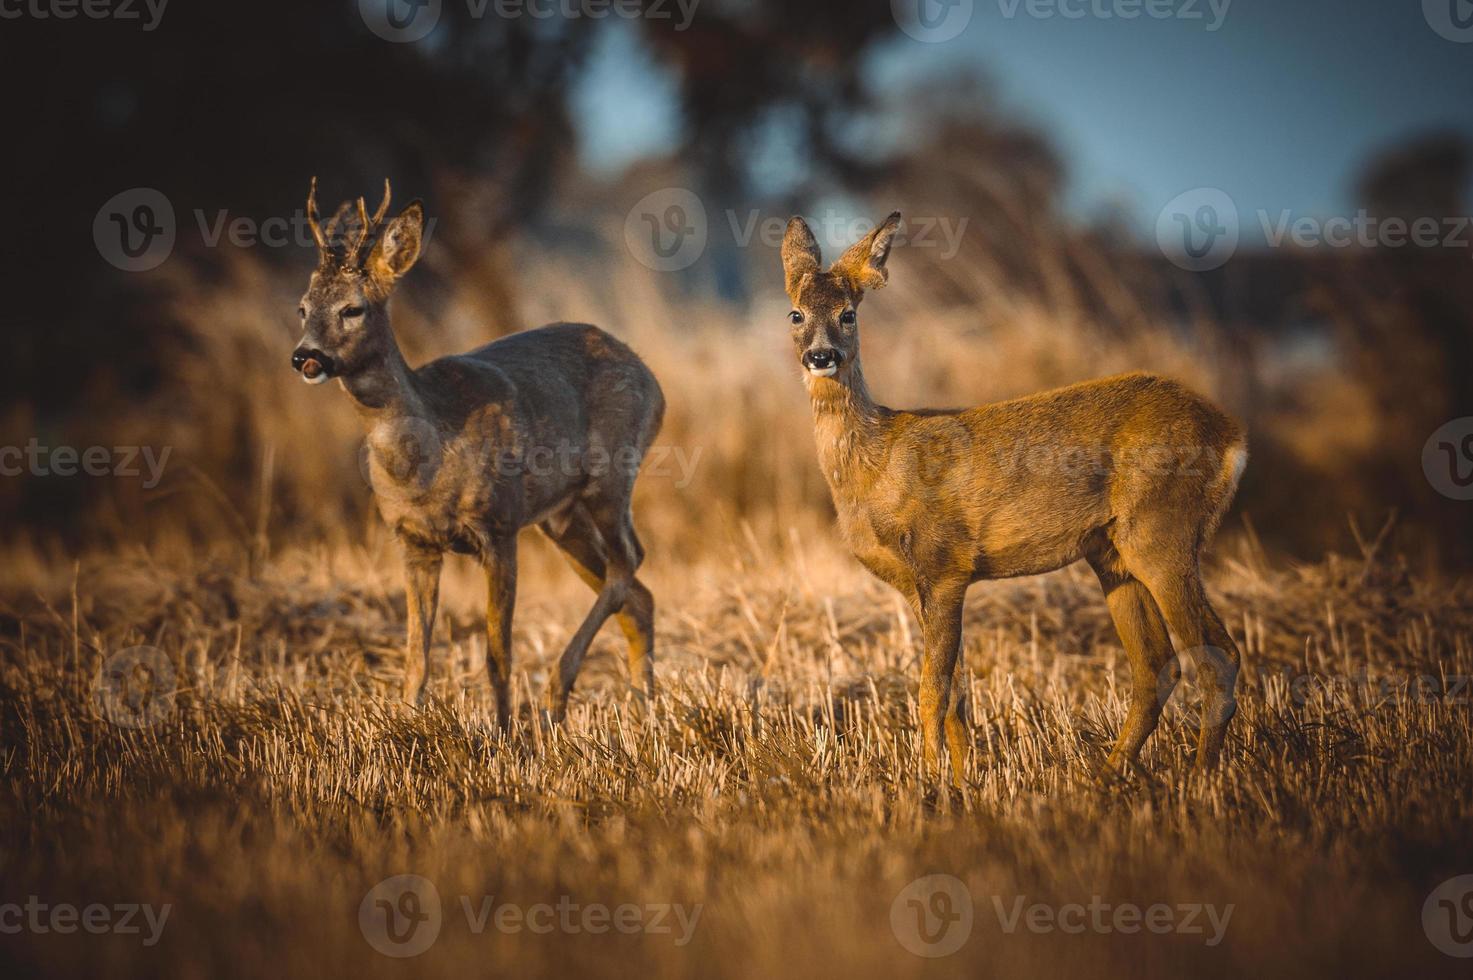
(776, 783)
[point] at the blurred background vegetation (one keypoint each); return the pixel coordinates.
(531, 139)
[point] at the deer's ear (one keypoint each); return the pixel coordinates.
(864, 263)
(398, 247)
(801, 256)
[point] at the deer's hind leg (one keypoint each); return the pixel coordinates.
(1190, 614)
(958, 713)
(1164, 557)
(1154, 670)
(609, 571)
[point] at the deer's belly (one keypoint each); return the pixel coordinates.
(935, 545)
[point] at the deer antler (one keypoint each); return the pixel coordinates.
(367, 227)
(330, 230)
(313, 216)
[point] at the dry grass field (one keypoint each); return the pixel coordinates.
(206, 767)
(773, 794)
(197, 686)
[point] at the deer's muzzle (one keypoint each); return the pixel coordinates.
(822, 361)
(314, 366)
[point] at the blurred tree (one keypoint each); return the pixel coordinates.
(1426, 176)
(231, 109)
(738, 59)
(1414, 357)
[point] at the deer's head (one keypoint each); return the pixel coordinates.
(825, 313)
(345, 316)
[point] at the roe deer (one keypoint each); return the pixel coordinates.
(932, 501)
(544, 427)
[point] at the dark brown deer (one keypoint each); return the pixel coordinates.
(1131, 474)
(546, 427)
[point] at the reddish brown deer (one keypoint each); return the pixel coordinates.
(1130, 473)
(544, 427)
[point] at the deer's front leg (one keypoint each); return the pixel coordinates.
(422, 596)
(941, 629)
(501, 598)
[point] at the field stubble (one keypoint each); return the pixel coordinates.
(776, 783)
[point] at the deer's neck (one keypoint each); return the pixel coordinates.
(849, 428)
(385, 388)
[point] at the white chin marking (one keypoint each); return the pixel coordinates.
(827, 372)
(317, 380)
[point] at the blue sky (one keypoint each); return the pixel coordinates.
(1278, 107)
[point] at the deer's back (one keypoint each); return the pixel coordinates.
(579, 356)
(1120, 414)
(561, 381)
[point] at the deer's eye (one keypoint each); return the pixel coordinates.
(352, 312)
(796, 316)
(302, 312)
(847, 318)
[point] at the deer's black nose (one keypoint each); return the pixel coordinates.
(822, 358)
(312, 364)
